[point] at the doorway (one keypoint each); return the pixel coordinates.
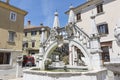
(4, 58)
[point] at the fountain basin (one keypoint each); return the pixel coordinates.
(30, 74)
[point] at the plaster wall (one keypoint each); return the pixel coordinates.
(110, 15)
(7, 25)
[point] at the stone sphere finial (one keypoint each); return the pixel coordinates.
(56, 13)
(71, 6)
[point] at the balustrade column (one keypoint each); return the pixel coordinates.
(75, 56)
(70, 55)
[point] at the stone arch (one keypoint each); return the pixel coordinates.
(85, 51)
(51, 46)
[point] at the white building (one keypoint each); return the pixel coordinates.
(107, 17)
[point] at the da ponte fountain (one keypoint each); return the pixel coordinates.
(89, 66)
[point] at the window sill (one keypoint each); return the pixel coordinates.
(33, 35)
(13, 20)
(79, 20)
(100, 13)
(103, 35)
(11, 42)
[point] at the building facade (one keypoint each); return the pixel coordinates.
(106, 17)
(11, 33)
(32, 36)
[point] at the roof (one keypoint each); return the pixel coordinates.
(12, 8)
(35, 28)
(84, 5)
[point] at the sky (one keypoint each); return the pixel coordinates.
(42, 11)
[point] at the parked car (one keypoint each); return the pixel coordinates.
(28, 61)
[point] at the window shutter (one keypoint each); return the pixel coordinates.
(106, 28)
(33, 44)
(25, 45)
(98, 28)
(99, 8)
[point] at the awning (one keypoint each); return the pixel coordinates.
(109, 43)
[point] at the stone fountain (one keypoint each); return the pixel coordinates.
(84, 53)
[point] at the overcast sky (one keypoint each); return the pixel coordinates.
(42, 11)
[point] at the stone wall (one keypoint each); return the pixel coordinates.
(44, 75)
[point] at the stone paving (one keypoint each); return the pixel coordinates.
(17, 79)
(10, 74)
(7, 74)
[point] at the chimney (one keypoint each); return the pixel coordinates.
(29, 23)
(7, 1)
(41, 24)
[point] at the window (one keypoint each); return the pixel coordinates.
(4, 58)
(103, 29)
(99, 8)
(40, 32)
(13, 16)
(33, 33)
(33, 44)
(11, 36)
(105, 54)
(25, 34)
(25, 45)
(78, 15)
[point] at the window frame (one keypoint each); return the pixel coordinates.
(33, 44)
(105, 54)
(5, 58)
(78, 16)
(103, 29)
(25, 45)
(40, 32)
(11, 36)
(34, 32)
(99, 8)
(14, 14)
(25, 34)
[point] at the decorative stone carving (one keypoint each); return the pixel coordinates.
(69, 30)
(53, 33)
(117, 34)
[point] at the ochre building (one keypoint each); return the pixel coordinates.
(11, 34)
(32, 36)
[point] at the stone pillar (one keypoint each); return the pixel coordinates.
(41, 50)
(42, 35)
(96, 52)
(70, 55)
(95, 46)
(96, 61)
(19, 67)
(75, 57)
(73, 54)
(71, 18)
(56, 23)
